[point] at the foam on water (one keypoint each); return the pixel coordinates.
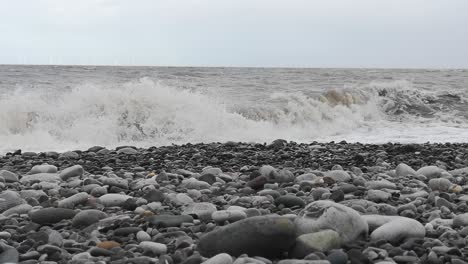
(146, 113)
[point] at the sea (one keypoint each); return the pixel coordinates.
(60, 108)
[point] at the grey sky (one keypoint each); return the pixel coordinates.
(290, 33)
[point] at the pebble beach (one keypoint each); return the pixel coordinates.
(237, 203)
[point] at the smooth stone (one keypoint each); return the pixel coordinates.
(202, 210)
(258, 182)
(154, 196)
(381, 184)
(9, 256)
(268, 172)
(108, 244)
(228, 215)
(337, 257)
(321, 215)
(302, 261)
(40, 177)
(51, 215)
(256, 236)
(169, 220)
(44, 168)
(153, 247)
(221, 258)
(113, 199)
(460, 220)
(439, 184)
(9, 176)
(88, 217)
(290, 201)
(127, 151)
(338, 175)
(69, 155)
(100, 252)
(143, 236)
(9, 199)
(74, 200)
(73, 171)
(378, 196)
(319, 241)
(193, 183)
(404, 170)
(125, 231)
(208, 178)
(430, 171)
(398, 229)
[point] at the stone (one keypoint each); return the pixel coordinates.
(337, 257)
(69, 155)
(9, 256)
(430, 171)
(460, 220)
(88, 217)
(404, 170)
(74, 200)
(169, 220)
(9, 199)
(154, 248)
(193, 183)
(9, 176)
(113, 199)
(17, 210)
(73, 171)
(202, 210)
(51, 215)
(154, 196)
(378, 196)
(256, 236)
(143, 236)
(290, 201)
(228, 215)
(321, 215)
(108, 245)
(40, 177)
(381, 184)
(338, 175)
(258, 182)
(395, 229)
(440, 184)
(125, 231)
(319, 241)
(127, 151)
(44, 168)
(302, 261)
(221, 258)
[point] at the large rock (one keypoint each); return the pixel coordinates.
(320, 241)
(9, 176)
(256, 236)
(430, 171)
(395, 229)
(74, 200)
(87, 217)
(19, 209)
(51, 215)
(404, 170)
(203, 210)
(460, 220)
(9, 199)
(40, 177)
(221, 258)
(338, 175)
(73, 171)
(440, 184)
(113, 199)
(44, 168)
(321, 215)
(169, 220)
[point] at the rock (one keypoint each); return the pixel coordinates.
(40, 177)
(88, 217)
(231, 216)
(302, 261)
(73, 200)
(45, 168)
(154, 248)
(440, 184)
(381, 184)
(9, 199)
(127, 151)
(460, 220)
(290, 201)
(203, 210)
(404, 170)
(268, 172)
(193, 183)
(143, 236)
(51, 215)
(17, 210)
(258, 182)
(337, 257)
(430, 172)
(113, 199)
(154, 196)
(221, 258)
(378, 196)
(9, 256)
(319, 241)
(69, 155)
(255, 236)
(321, 215)
(73, 171)
(108, 244)
(338, 175)
(9, 176)
(398, 229)
(284, 175)
(169, 220)
(208, 178)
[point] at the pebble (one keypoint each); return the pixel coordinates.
(113, 199)
(44, 168)
(319, 241)
(221, 258)
(73, 171)
(51, 215)
(153, 247)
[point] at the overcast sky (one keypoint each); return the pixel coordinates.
(265, 33)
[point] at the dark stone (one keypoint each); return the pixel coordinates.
(125, 231)
(169, 220)
(337, 257)
(154, 196)
(337, 195)
(51, 215)
(290, 201)
(257, 183)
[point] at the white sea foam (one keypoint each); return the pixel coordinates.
(145, 113)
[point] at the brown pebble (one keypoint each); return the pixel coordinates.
(108, 244)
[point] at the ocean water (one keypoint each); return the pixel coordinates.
(58, 108)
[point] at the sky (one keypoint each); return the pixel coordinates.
(256, 33)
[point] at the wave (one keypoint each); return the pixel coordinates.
(147, 113)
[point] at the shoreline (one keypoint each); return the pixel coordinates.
(231, 203)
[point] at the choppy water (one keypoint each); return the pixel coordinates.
(75, 107)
